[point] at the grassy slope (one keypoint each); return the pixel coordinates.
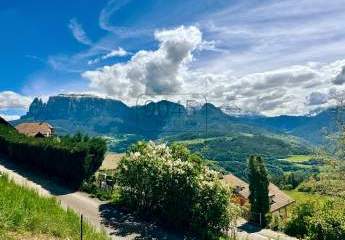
(301, 197)
(299, 158)
(23, 211)
(111, 161)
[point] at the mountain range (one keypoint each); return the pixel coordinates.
(94, 115)
(208, 130)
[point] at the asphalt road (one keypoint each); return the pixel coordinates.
(118, 224)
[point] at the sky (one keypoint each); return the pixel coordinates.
(262, 56)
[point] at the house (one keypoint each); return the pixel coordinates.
(278, 199)
(38, 130)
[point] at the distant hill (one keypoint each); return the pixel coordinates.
(315, 129)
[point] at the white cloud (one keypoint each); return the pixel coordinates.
(293, 90)
(317, 98)
(9, 99)
(340, 78)
(78, 32)
(266, 35)
(150, 72)
(120, 52)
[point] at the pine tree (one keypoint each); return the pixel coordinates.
(253, 177)
(263, 193)
(258, 187)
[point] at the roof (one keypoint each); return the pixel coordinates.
(278, 197)
(32, 129)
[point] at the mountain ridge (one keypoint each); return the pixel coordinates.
(94, 115)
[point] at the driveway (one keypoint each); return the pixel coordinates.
(246, 231)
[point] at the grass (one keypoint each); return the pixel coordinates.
(299, 158)
(111, 161)
(23, 211)
(300, 197)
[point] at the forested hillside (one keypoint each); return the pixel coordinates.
(231, 152)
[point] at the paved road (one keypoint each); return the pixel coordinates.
(247, 231)
(118, 224)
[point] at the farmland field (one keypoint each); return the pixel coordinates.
(301, 197)
(111, 161)
(299, 158)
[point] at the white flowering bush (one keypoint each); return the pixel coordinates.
(176, 187)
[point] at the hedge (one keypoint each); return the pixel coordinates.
(70, 159)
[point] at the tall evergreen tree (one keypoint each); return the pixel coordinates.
(253, 180)
(258, 187)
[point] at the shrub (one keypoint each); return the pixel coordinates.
(71, 159)
(175, 186)
(317, 221)
(297, 225)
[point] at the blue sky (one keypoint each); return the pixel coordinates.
(270, 57)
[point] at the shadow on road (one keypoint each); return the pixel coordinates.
(44, 181)
(126, 224)
(249, 228)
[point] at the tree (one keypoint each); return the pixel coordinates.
(176, 188)
(259, 192)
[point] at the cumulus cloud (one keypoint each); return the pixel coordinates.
(120, 52)
(150, 72)
(9, 99)
(340, 78)
(283, 77)
(78, 32)
(317, 98)
(292, 90)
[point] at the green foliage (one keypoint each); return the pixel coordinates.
(297, 226)
(232, 150)
(291, 180)
(23, 210)
(71, 159)
(94, 188)
(175, 187)
(258, 186)
(317, 221)
(330, 181)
